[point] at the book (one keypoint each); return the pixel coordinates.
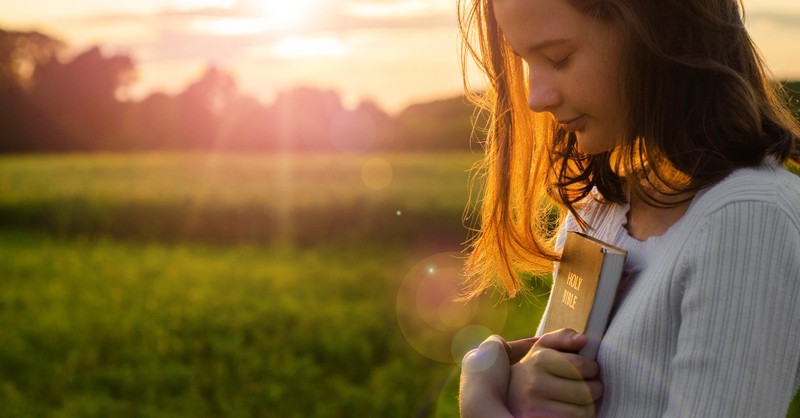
(585, 288)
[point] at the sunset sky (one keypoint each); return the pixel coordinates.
(394, 52)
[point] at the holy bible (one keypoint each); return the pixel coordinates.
(584, 289)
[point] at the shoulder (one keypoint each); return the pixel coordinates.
(768, 191)
(753, 207)
(767, 184)
(756, 206)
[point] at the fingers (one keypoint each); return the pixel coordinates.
(529, 384)
(556, 410)
(552, 380)
(519, 348)
(595, 389)
(566, 340)
(574, 392)
(554, 353)
(564, 365)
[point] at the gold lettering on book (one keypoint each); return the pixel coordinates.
(574, 281)
(569, 298)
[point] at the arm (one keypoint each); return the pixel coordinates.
(737, 350)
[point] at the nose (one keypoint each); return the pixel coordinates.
(543, 95)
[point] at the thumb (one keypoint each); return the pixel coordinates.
(492, 352)
(485, 373)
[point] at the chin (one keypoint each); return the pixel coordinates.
(593, 146)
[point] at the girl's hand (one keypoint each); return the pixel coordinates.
(552, 380)
(485, 373)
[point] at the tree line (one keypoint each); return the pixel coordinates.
(51, 101)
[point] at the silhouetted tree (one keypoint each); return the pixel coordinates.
(23, 127)
(201, 107)
(50, 103)
(438, 125)
(81, 97)
(303, 119)
(247, 126)
(22, 52)
(156, 123)
(385, 126)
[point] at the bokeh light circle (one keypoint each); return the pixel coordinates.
(377, 173)
(468, 338)
(431, 318)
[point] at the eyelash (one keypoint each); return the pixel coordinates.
(557, 65)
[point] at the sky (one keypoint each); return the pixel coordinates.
(393, 52)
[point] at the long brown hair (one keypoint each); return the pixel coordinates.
(700, 105)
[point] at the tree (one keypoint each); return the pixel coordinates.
(81, 96)
(201, 107)
(23, 127)
(21, 53)
(438, 125)
(303, 119)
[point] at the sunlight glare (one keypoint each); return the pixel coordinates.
(201, 4)
(231, 26)
(282, 14)
(296, 47)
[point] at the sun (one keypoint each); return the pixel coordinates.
(285, 14)
(250, 17)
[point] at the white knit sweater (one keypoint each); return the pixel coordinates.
(709, 325)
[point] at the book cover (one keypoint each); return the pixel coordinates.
(584, 290)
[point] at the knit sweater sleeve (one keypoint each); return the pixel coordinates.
(738, 345)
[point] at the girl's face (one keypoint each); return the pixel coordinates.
(573, 67)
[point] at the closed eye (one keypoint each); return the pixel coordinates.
(559, 64)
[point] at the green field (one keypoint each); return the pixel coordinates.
(205, 285)
(237, 286)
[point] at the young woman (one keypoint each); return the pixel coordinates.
(652, 125)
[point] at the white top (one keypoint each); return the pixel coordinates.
(709, 320)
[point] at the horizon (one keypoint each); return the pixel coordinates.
(394, 53)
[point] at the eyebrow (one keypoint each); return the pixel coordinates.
(542, 45)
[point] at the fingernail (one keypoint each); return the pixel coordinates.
(481, 358)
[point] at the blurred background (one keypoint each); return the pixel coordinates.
(241, 208)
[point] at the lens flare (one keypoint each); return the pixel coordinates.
(377, 173)
(468, 338)
(436, 324)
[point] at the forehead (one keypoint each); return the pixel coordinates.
(530, 22)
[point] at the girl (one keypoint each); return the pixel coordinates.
(652, 125)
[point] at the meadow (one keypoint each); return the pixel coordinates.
(224, 285)
(204, 285)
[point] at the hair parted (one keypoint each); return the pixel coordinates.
(700, 104)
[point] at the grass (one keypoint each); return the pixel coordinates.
(237, 198)
(203, 285)
(106, 313)
(99, 328)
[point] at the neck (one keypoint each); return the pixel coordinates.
(653, 216)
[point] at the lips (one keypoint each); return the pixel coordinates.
(574, 124)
